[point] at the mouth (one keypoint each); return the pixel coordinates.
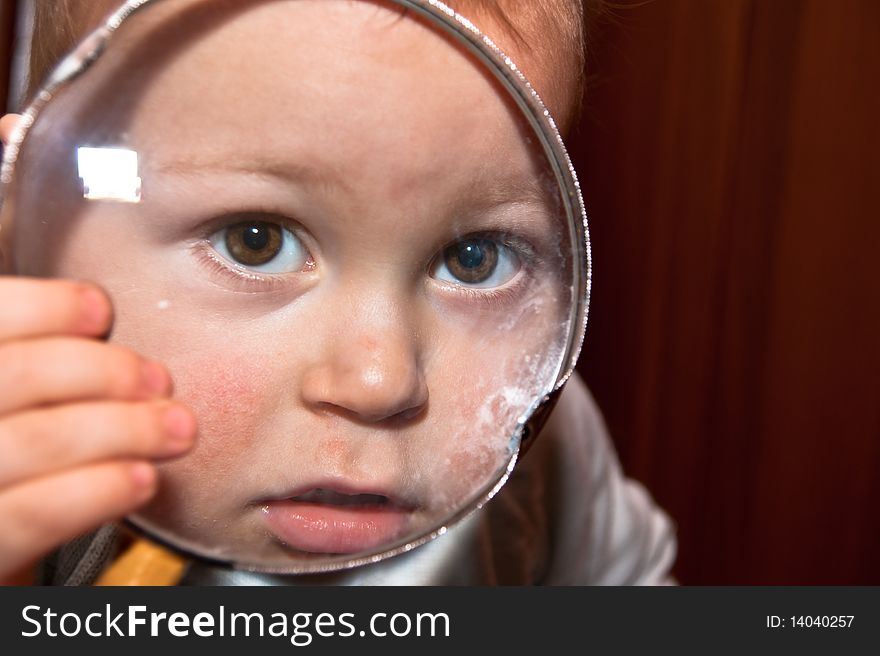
(331, 521)
(340, 499)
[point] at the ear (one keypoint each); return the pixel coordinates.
(7, 125)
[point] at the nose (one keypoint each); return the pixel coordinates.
(372, 373)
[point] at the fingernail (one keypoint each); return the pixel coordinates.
(95, 310)
(156, 378)
(143, 474)
(180, 426)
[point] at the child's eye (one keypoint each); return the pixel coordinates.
(261, 246)
(476, 262)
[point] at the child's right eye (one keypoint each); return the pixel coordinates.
(261, 246)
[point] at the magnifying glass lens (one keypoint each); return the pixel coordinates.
(343, 234)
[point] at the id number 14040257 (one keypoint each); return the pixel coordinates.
(810, 621)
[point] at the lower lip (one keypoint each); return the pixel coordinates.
(328, 529)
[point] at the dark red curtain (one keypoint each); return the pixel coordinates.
(730, 159)
(7, 30)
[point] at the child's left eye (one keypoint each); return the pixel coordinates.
(478, 262)
(261, 246)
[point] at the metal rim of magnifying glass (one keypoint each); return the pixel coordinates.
(505, 71)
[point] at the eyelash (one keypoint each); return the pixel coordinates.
(492, 298)
(242, 279)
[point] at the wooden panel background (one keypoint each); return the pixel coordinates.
(730, 157)
(7, 28)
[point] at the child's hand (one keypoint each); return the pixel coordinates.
(80, 419)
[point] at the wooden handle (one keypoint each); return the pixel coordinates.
(144, 563)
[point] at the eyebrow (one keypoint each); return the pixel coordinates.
(491, 190)
(285, 170)
(503, 190)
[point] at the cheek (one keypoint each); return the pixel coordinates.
(472, 444)
(225, 392)
(229, 398)
(213, 368)
(223, 373)
(487, 400)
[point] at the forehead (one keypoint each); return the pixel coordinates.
(351, 88)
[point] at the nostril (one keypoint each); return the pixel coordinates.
(374, 392)
(385, 398)
(359, 413)
(412, 413)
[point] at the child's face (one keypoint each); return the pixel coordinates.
(345, 253)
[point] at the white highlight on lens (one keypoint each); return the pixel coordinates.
(109, 174)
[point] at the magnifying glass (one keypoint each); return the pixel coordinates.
(351, 232)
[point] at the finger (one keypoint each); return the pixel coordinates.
(58, 370)
(7, 125)
(34, 308)
(39, 442)
(37, 516)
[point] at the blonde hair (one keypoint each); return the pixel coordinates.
(551, 31)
